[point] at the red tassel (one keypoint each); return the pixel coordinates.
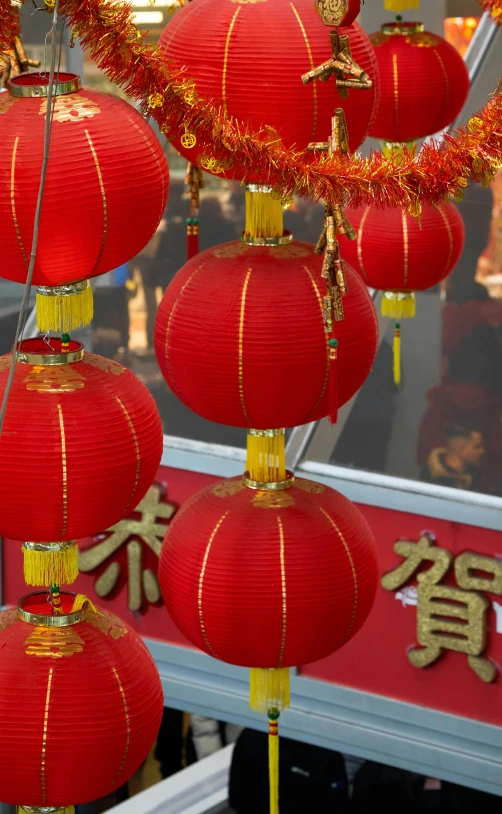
(333, 380)
(192, 237)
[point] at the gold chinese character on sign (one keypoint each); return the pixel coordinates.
(72, 108)
(448, 618)
(123, 551)
(53, 642)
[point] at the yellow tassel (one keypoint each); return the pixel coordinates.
(80, 601)
(266, 460)
(269, 689)
(399, 304)
(397, 354)
(50, 563)
(64, 308)
(401, 5)
(263, 214)
(273, 760)
(37, 809)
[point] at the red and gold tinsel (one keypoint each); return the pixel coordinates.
(441, 170)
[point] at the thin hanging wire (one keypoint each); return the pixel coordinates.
(23, 314)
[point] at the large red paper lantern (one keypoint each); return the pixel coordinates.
(251, 65)
(106, 186)
(424, 83)
(240, 336)
(268, 579)
(400, 254)
(80, 446)
(80, 703)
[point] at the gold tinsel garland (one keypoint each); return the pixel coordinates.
(121, 51)
(494, 7)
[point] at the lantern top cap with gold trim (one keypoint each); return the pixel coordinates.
(36, 85)
(38, 351)
(402, 28)
(34, 609)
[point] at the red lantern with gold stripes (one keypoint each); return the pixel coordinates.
(105, 191)
(269, 577)
(81, 703)
(254, 56)
(424, 83)
(401, 254)
(240, 335)
(80, 446)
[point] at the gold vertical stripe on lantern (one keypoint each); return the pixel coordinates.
(13, 200)
(266, 462)
(312, 67)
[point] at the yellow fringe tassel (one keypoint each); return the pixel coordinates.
(263, 215)
(48, 566)
(399, 305)
(80, 601)
(64, 312)
(266, 460)
(269, 689)
(273, 761)
(397, 354)
(401, 5)
(35, 809)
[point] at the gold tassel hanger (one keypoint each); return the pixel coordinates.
(48, 564)
(264, 218)
(64, 307)
(270, 693)
(266, 457)
(399, 304)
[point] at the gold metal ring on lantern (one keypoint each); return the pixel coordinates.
(38, 91)
(258, 188)
(50, 620)
(47, 360)
(286, 238)
(272, 486)
(267, 433)
(403, 28)
(44, 809)
(67, 290)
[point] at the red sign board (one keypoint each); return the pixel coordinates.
(376, 660)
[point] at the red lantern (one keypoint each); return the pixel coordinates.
(254, 56)
(81, 443)
(400, 254)
(240, 336)
(424, 83)
(80, 703)
(106, 187)
(268, 578)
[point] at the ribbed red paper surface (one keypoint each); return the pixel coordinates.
(80, 447)
(253, 57)
(240, 336)
(265, 579)
(423, 85)
(397, 252)
(80, 708)
(105, 192)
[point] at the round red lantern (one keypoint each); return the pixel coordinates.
(254, 56)
(268, 578)
(81, 703)
(80, 446)
(401, 254)
(424, 83)
(240, 335)
(105, 192)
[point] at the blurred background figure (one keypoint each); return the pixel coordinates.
(457, 463)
